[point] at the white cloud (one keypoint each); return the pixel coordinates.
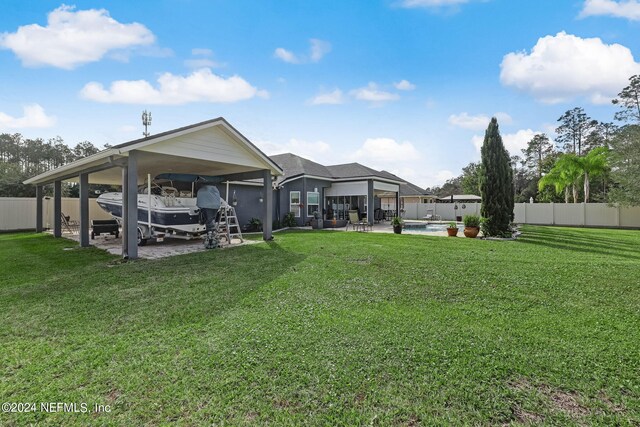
(402, 159)
(73, 38)
(629, 9)
(330, 98)
(431, 3)
(199, 51)
(202, 60)
(378, 152)
(199, 86)
(201, 63)
(371, 93)
(562, 67)
(286, 56)
(317, 50)
(307, 149)
(404, 85)
(513, 142)
(478, 122)
(34, 116)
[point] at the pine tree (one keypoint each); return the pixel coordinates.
(629, 102)
(496, 184)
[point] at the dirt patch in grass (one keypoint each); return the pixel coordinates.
(526, 417)
(567, 402)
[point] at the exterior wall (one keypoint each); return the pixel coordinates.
(19, 213)
(570, 214)
(248, 197)
(303, 185)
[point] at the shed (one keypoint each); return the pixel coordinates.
(212, 147)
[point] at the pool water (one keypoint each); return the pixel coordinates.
(428, 227)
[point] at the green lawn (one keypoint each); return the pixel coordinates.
(328, 328)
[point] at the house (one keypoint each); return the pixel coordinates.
(307, 187)
(460, 198)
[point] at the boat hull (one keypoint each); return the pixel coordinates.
(182, 218)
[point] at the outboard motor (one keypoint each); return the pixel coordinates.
(208, 200)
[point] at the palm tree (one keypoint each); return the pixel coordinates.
(593, 164)
(560, 180)
(570, 168)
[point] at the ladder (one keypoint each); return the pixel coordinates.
(227, 227)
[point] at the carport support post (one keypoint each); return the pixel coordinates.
(57, 208)
(267, 214)
(125, 207)
(131, 212)
(84, 210)
(370, 202)
(38, 208)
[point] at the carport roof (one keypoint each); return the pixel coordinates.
(212, 147)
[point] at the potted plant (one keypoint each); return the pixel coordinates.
(471, 225)
(452, 229)
(397, 223)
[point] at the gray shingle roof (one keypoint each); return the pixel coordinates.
(409, 189)
(293, 165)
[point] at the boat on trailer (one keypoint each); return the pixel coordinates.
(163, 211)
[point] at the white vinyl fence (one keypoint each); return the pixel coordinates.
(19, 213)
(571, 214)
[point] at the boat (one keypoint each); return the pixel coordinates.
(172, 213)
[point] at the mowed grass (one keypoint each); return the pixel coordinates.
(328, 328)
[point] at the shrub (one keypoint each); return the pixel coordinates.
(471, 220)
(289, 220)
(396, 221)
(453, 224)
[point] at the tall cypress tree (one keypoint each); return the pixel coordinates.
(496, 184)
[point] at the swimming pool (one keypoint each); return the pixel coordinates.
(422, 227)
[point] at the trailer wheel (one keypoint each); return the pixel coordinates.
(141, 241)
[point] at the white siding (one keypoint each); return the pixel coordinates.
(209, 144)
(358, 188)
(384, 186)
(19, 213)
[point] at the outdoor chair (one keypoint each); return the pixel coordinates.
(71, 226)
(378, 215)
(356, 223)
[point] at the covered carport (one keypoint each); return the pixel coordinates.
(212, 148)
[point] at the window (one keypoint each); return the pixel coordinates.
(313, 203)
(294, 203)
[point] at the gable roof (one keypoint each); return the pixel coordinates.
(107, 159)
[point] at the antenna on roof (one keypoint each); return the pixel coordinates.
(146, 122)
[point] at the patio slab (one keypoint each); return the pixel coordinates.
(156, 250)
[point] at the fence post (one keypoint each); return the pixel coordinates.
(553, 213)
(584, 214)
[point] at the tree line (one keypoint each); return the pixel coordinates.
(22, 158)
(589, 160)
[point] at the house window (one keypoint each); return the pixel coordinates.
(313, 203)
(294, 203)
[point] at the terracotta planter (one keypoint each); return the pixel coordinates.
(453, 232)
(397, 229)
(471, 232)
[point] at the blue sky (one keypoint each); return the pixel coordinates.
(402, 85)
